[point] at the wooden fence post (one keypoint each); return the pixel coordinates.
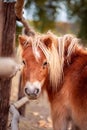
(7, 44)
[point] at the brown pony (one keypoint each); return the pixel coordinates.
(59, 66)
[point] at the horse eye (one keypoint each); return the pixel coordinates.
(23, 62)
(45, 63)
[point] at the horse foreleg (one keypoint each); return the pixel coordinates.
(72, 126)
(60, 122)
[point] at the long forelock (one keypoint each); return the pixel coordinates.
(53, 59)
(35, 49)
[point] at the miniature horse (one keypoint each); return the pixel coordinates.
(59, 66)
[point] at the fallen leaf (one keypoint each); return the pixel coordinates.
(42, 123)
(35, 113)
(49, 120)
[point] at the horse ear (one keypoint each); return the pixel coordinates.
(48, 42)
(49, 39)
(23, 40)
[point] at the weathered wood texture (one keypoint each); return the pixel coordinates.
(21, 94)
(7, 37)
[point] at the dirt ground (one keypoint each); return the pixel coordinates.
(37, 114)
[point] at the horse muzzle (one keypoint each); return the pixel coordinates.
(32, 90)
(32, 94)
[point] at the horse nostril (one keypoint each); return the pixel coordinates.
(26, 91)
(33, 92)
(36, 91)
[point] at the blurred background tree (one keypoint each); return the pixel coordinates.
(78, 9)
(45, 15)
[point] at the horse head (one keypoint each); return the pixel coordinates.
(35, 52)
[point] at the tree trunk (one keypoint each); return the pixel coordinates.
(7, 38)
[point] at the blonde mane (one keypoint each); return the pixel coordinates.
(55, 57)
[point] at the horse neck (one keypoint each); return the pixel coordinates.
(68, 64)
(49, 90)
